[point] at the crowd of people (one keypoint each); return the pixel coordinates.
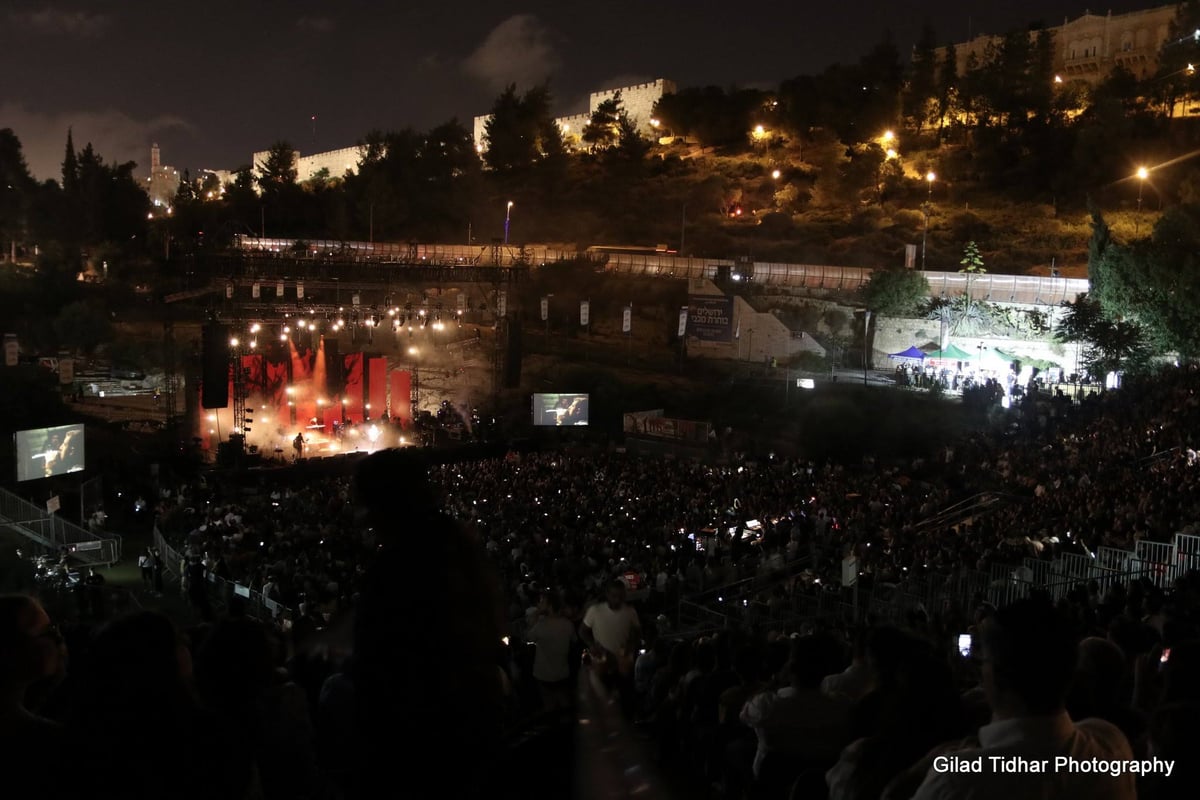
(473, 587)
(1109, 471)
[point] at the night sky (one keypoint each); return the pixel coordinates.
(214, 81)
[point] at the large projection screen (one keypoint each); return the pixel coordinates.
(44, 452)
(560, 410)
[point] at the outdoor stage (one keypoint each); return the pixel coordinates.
(338, 402)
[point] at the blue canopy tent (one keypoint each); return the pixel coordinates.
(911, 354)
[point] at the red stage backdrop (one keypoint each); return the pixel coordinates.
(276, 391)
(252, 366)
(306, 400)
(353, 372)
(402, 397)
(377, 385)
(332, 414)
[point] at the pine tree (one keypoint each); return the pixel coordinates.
(947, 86)
(70, 169)
(922, 79)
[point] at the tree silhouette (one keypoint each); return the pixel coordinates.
(603, 128)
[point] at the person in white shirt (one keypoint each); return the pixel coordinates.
(552, 634)
(611, 630)
(1029, 656)
(146, 565)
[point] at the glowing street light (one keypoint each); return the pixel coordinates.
(1142, 174)
(507, 218)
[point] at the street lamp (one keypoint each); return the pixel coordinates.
(507, 217)
(1142, 174)
(929, 178)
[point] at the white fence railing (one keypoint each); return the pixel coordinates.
(54, 532)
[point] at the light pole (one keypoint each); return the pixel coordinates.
(507, 217)
(1142, 174)
(929, 178)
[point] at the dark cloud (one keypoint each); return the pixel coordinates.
(61, 22)
(316, 24)
(116, 136)
(519, 50)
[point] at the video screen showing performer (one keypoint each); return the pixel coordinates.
(44, 452)
(560, 410)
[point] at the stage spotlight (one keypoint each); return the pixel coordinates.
(255, 328)
(283, 337)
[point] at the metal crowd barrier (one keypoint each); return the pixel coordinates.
(221, 591)
(54, 532)
(1162, 563)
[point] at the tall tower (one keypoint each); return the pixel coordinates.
(155, 161)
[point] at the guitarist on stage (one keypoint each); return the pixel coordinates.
(612, 633)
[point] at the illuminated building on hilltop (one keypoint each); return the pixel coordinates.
(1089, 47)
(637, 101)
(163, 182)
(330, 163)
